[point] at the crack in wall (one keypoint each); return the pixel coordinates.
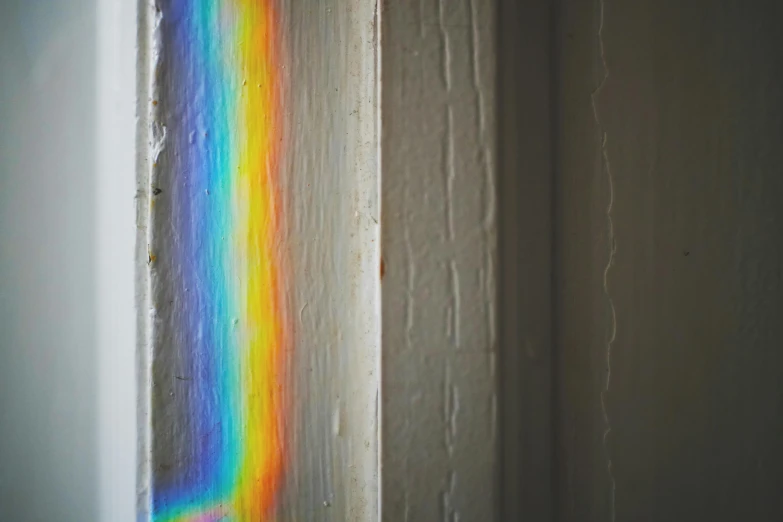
(485, 159)
(476, 68)
(451, 409)
(612, 250)
(449, 413)
(411, 270)
(455, 303)
(449, 512)
(445, 46)
(450, 174)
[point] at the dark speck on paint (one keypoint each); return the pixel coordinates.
(686, 253)
(156, 191)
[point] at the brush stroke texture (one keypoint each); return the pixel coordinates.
(226, 224)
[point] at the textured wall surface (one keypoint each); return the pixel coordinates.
(438, 307)
(639, 261)
(668, 241)
(325, 251)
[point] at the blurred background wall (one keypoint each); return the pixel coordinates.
(48, 363)
(684, 289)
(67, 185)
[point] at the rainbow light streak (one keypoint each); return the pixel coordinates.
(222, 61)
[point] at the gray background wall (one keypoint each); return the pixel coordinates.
(668, 249)
(641, 260)
(48, 430)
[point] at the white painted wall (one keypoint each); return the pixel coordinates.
(67, 344)
(438, 191)
(48, 363)
(116, 201)
(331, 188)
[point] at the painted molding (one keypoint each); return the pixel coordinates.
(264, 148)
(262, 259)
(439, 385)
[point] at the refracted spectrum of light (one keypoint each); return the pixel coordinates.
(221, 64)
